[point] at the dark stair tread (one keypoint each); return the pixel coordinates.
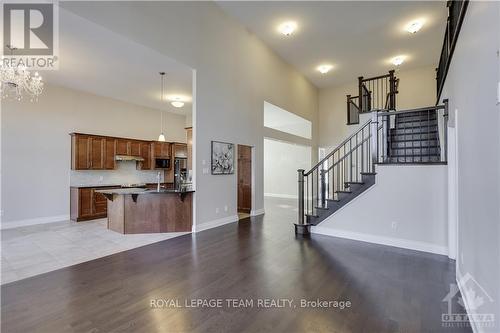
(407, 120)
(343, 199)
(413, 113)
(412, 128)
(324, 208)
(416, 163)
(409, 140)
(426, 147)
(416, 147)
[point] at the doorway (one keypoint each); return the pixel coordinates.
(244, 181)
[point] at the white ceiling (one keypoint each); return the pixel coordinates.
(357, 38)
(99, 61)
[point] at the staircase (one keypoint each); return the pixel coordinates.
(415, 138)
(389, 137)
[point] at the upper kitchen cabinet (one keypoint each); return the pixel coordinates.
(135, 148)
(96, 152)
(92, 152)
(128, 147)
(122, 147)
(145, 149)
(80, 152)
(161, 149)
(109, 153)
(97, 149)
(180, 150)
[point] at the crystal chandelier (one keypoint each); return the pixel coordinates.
(16, 80)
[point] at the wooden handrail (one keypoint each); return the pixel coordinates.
(376, 77)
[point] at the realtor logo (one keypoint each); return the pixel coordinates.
(473, 298)
(30, 34)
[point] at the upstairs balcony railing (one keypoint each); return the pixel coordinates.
(377, 92)
(456, 14)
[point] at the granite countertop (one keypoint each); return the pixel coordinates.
(111, 185)
(124, 191)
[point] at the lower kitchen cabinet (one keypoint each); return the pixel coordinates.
(87, 204)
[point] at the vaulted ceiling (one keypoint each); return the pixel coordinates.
(357, 37)
(96, 60)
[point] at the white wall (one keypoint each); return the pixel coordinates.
(407, 207)
(36, 147)
(281, 162)
(471, 87)
(417, 88)
(235, 74)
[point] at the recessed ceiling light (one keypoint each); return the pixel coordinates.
(177, 102)
(398, 60)
(323, 69)
(287, 28)
(414, 26)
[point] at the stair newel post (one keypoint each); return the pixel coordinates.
(392, 93)
(323, 188)
(348, 109)
(445, 129)
(374, 139)
(360, 98)
(386, 138)
(301, 227)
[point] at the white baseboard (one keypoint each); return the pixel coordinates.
(215, 223)
(283, 196)
(257, 212)
(389, 241)
(28, 222)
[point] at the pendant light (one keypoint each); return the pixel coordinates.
(161, 137)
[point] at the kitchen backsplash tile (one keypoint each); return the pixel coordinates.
(125, 173)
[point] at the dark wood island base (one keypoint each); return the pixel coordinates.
(138, 211)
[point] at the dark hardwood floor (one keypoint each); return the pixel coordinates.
(390, 289)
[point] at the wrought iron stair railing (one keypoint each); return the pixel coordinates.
(389, 137)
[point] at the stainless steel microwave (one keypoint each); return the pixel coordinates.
(162, 163)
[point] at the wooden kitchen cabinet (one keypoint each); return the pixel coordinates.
(80, 152)
(135, 148)
(99, 204)
(180, 150)
(80, 204)
(97, 148)
(161, 149)
(122, 147)
(98, 152)
(87, 204)
(146, 155)
(109, 153)
(90, 152)
(128, 147)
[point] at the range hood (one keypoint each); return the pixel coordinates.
(128, 158)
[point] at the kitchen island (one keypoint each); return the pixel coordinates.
(139, 210)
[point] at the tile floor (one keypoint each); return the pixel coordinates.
(33, 250)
